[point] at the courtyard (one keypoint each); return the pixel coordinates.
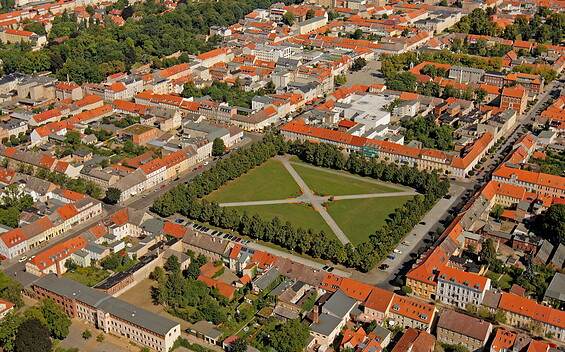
(345, 206)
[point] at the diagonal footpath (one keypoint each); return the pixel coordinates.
(380, 183)
(315, 201)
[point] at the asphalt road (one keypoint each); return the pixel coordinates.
(138, 202)
(16, 269)
(417, 238)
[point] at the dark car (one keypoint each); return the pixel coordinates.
(447, 196)
(384, 266)
(422, 222)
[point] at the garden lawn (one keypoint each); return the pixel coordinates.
(360, 218)
(503, 280)
(299, 215)
(88, 276)
(326, 183)
(269, 181)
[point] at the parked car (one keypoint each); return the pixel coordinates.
(397, 251)
(391, 256)
(23, 258)
(384, 266)
(206, 162)
(422, 222)
(406, 243)
(3, 257)
(179, 221)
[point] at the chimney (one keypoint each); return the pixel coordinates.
(315, 316)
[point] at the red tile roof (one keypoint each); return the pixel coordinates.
(173, 229)
(58, 252)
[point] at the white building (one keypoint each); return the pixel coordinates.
(271, 52)
(460, 287)
(369, 110)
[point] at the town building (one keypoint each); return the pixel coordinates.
(459, 329)
(107, 313)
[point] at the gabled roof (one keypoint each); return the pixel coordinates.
(58, 252)
(379, 299)
(174, 229)
(465, 325)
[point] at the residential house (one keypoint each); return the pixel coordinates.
(454, 328)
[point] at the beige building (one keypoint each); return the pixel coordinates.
(108, 313)
(459, 329)
(211, 247)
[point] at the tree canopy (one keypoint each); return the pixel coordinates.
(94, 51)
(218, 147)
(33, 336)
(187, 200)
(425, 130)
(553, 224)
(290, 336)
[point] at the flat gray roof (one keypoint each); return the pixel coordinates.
(116, 307)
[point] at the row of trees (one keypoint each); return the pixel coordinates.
(185, 199)
(406, 82)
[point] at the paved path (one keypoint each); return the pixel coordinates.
(376, 195)
(261, 202)
(307, 199)
(316, 202)
(368, 180)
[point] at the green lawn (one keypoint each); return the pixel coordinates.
(360, 218)
(503, 280)
(299, 215)
(269, 181)
(324, 183)
(88, 276)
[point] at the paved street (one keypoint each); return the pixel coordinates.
(418, 237)
(16, 269)
(138, 202)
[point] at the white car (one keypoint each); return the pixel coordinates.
(397, 251)
(22, 258)
(206, 162)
